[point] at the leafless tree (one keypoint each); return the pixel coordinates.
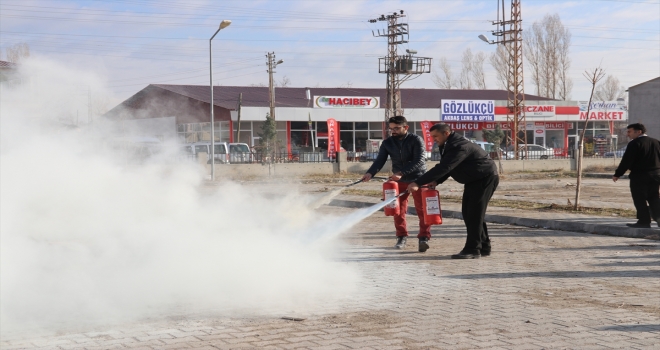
(284, 82)
(500, 62)
(444, 80)
(346, 85)
(594, 77)
(18, 52)
(259, 85)
(610, 89)
(547, 45)
(465, 80)
(478, 75)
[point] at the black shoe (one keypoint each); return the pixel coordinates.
(400, 242)
(423, 245)
(638, 225)
(485, 252)
(466, 255)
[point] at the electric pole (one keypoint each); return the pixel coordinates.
(510, 36)
(398, 68)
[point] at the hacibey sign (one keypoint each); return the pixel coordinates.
(346, 102)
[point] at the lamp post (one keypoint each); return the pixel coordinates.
(224, 24)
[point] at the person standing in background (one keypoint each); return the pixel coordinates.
(642, 158)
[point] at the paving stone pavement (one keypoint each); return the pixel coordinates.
(541, 289)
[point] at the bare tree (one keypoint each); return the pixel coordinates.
(18, 52)
(593, 77)
(446, 79)
(610, 89)
(500, 62)
(465, 80)
(547, 46)
(284, 82)
(478, 75)
(259, 85)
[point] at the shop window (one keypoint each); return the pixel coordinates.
(361, 126)
(345, 125)
(346, 140)
(301, 140)
(299, 126)
(373, 126)
(361, 141)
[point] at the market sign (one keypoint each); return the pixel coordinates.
(346, 102)
(539, 111)
(467, 110)
(604, 110)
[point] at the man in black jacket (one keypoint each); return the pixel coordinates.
(642, 157)
(407, 152)
(467, 163)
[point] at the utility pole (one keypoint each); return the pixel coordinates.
(272, 64)
(398, 68)
(240, 103)
(510, 35)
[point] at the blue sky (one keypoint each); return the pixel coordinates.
(132, 43)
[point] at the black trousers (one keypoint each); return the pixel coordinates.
(644, 189)
(476, 196)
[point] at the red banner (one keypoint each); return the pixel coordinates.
(428, 140)
(612, 128)
(333, 137)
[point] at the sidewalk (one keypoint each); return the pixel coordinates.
(537, 219)
(540, 290)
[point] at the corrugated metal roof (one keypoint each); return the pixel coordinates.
(257, 96)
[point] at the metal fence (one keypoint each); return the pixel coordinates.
(283, 157)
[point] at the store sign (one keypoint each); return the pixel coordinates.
(539, 111)
(346, 102)
(465, 126)
(467, 110)
(539, 129)
(604, 110)
(531, 126)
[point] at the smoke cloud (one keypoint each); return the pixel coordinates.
(88, 237)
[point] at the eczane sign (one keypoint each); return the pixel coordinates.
(346, 102)
(539, 111)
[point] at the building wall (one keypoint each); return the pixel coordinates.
(644, 106)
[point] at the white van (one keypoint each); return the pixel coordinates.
(221, 154)
(240, 153)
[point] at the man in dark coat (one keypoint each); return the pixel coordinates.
(407, 153)
(642, 157)
(469, 164)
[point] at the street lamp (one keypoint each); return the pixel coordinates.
(224, 24)
(483, 37)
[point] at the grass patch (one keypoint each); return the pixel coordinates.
(523, 205)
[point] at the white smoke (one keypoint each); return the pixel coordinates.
(89, 238)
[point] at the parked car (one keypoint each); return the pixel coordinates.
(240, 153)
(529, 152)
(221, 154)
(618, 153)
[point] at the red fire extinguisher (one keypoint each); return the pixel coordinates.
(431, 206)
(391, 190)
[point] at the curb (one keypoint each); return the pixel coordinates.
(561, 225)
(603, 176)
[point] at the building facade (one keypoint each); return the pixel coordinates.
(644, 100)
(302, 113)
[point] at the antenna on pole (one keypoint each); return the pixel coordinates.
(398, 68)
